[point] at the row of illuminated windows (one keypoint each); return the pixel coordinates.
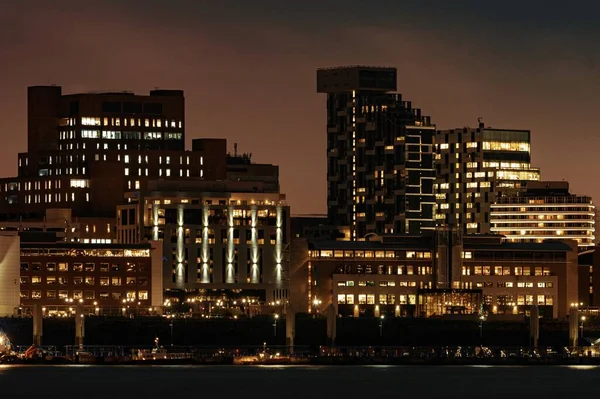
(382, 299)
(133, 122)
(369, 254)
(167, 172)
(505, 146)
(37, 185)
(520, 300)
(117, 135)
(481, 184)
(87, 280)
(380, 283)
(49, 197)
(210, 202)
(512, 284)
(85, 295)
(80, 267)
(384, 269)
(505, 271)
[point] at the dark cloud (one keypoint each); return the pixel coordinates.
(248, 69)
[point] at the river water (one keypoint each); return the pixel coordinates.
(423, 382)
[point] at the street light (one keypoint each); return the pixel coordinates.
(481, 320)
(381, 326)
(172, 336)
(275, 317)
(581, 326)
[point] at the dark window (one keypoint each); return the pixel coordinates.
(74, 108)
(153, 108)
(111, 106)
(132, 108)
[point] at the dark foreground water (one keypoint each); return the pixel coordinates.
(307, 382)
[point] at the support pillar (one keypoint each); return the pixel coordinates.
(290, 330)
(79, 326)
(534, 326)
(573, 326)
(331, 325)
(37, 324)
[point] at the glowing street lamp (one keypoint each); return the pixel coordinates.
(275, 318)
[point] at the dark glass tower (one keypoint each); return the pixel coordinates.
(380, 167)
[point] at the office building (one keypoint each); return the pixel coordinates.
(216, 236)
(104, 277)
(473, 168)
(380, 170)
(402, 276)
(544, 211)
(86, 150)
(65, 227)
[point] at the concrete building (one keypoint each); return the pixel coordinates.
(545, 210)
(85, 150)
(66, 227)
(105, 277)
(423, 276)
(473, 168)
(216, 236)
(380, 170)
(9, 274)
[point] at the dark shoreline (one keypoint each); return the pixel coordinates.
(317, 361)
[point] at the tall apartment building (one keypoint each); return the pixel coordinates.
(85, 150)
(217, 236)
(545, 210)
(379, 154)
(474, 167)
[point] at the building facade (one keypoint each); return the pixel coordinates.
(85, 150)
(103, 276)
(380, 170)
(545, 210)
(9, 274)
(406, 277)
(215, 240)
(473, 168)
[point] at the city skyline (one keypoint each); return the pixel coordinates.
(222, 56)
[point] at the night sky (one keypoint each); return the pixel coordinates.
(248, 70)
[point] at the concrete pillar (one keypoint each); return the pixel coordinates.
(290, 329)
(573, 326)
(37, 324)
(79, 326)
(331, 324)
(534, 326)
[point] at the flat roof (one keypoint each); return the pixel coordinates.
(521, 246)
(365, 245)
(67, 245)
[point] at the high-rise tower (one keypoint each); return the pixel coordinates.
(380, 169)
